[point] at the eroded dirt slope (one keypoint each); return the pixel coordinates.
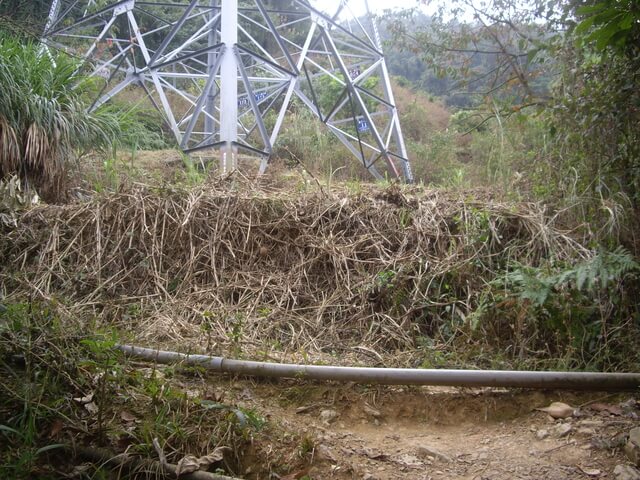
(356, 432)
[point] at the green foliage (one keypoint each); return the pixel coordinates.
(304, 140)
(141, 128)
(193, 173)
(594, 121)
(43, 121)
(537, 286)
(60, 383)
(435, 161)
(25, 403)
(20, 18)
(329, 91)
(555, 89)
(499, 55)
(246, 419)
(581, 312)
(613, 24)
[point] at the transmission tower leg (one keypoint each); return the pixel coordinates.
(388, 93)
(210, 106)
(229, 88)
(53, 15)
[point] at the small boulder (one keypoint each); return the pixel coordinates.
(328, 416)
(427, 451)
(632, 447)
(542, 434)
(626, 472)
(558, 410)
(562, 430)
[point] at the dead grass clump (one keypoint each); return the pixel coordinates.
(237, 269)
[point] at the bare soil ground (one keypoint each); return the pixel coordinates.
(384, 433)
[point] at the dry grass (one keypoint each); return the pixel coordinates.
(241, 269)
(421, 117)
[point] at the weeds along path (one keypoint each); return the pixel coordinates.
(360, 275)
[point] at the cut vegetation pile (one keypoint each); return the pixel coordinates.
(393, 276)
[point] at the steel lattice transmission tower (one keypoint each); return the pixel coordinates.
(225, 72)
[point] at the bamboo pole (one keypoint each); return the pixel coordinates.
(399, 376)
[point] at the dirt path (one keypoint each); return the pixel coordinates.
(432, 433)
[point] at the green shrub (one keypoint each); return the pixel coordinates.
(43, 121)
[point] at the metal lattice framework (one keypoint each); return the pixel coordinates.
(224, 72)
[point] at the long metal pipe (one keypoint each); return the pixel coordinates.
(399, 376)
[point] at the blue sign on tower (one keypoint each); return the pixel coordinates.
(363, 126)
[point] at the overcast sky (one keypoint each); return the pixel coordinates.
(358, 7)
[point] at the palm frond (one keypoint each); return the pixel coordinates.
(43, 120)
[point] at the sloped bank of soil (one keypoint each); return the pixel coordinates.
(364, 432)
(369, 275)
(395, 276)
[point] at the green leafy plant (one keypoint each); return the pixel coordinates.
(28, 453)
(246, 418)
(537, 286)
(43, 120)
(609, 24)
(579, 312)
(102, 360)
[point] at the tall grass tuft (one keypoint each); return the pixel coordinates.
(43, 120)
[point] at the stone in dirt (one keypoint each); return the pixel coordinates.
(632, 447)
(407, 460)
(558, 410)
(562, 430)
(325, 453)
(606, 408)
(328, 416)
(629, 406)
(590, 472)
(427, 451)
(542, 434)
(626, 472)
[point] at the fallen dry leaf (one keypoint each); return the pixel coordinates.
(558, 410)
(85, 399)
(606, 407)
(296, 475)
(591, 472)
(91, 407)
(187, 464)
(191, 463)
(56, 427)
(306, 408)
(127, 417)
(215, 456)
(369, 410)
(372, 453)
